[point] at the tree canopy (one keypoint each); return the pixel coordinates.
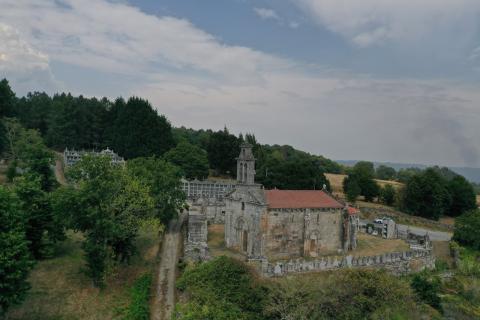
(163, 182)
(361, 177)
(223, 148)
(107, 204)
(15, 258)
(138, 131)
(192, 160)
(467, 228)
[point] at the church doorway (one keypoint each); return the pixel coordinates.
(245, 241)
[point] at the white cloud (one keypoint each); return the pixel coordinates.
(119, 38)
(266, 13)
(293, 24)
(23, 64)
(369, 22)
(198, 81)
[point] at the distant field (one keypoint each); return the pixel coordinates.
(336, 183)
(60, 290)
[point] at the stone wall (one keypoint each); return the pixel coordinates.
(214, 209)
(293, 233)
(398, 263)
(196, 247)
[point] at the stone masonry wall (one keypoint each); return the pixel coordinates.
(196, 247)
(398, 263)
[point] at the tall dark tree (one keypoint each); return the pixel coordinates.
(15, 259)
(7, 102)
(427, 195)
(43, 228)
(463, 196)
(351, 188)
(138, 131)
(387, 195)
(7, 99)
(223, 148)
(77, 122)
(363, 173)
(34, 111)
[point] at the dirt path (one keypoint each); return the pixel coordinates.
(59, 172)
(164, 300)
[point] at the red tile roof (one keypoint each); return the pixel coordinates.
(296, 199)
(352, 210)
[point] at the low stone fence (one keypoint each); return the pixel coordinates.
(398, 263)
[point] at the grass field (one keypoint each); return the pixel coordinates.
(60, 289)
(368, 245)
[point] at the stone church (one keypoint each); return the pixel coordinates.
(281, 224)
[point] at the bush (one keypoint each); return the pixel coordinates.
(138, 308)
(349, 294)
(223, 288)
(427, 287)
(466, 229)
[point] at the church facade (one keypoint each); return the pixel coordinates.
(281, 224)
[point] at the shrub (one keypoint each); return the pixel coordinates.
(466, 229)
(138, 309)
(427, 288)
(223, 288)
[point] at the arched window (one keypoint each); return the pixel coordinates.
(243, 206)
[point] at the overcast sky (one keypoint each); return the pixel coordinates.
(385, 80)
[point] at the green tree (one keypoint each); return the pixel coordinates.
(28, 151)
(15, 259)
(466, 229)
(34, 111)
(163, 181)
(351, 188)
(404, 175)
(463, 196)
(426, 195)
(362, 175)
(43, 228)
(107, 204)
(223, 148)
(384, 172)
(387, 195)
(138, 131)
(191, 159)
(7, 102)
(7, 99)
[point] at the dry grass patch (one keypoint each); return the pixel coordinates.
(441, 251)
(61, 290)
(369, 245)
(336, 183)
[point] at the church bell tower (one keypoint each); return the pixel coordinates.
(246, 165)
